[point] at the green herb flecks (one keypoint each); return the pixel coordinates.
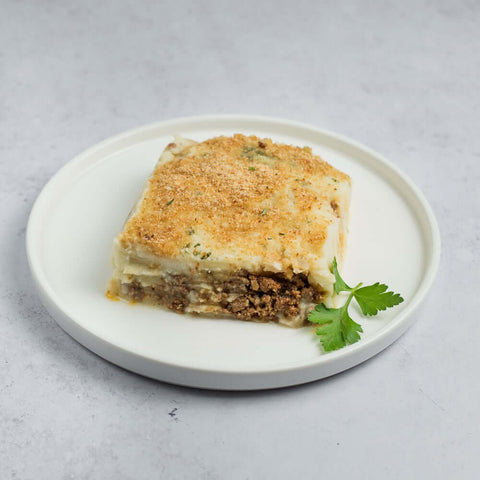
(303, 182)
(251, 151)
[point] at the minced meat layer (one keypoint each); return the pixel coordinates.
(244, 295)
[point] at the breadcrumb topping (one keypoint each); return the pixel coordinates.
(228, 199)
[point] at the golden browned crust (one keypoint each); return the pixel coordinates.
(245, 195)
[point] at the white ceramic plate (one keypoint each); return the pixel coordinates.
(393, 238)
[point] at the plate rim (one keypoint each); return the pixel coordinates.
(278, 375)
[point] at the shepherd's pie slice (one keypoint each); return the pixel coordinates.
(234, 226)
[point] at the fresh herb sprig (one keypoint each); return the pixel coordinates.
(336, 328)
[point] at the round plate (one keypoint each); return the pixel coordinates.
(393, 239)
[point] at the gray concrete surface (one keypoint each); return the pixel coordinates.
(401, 77)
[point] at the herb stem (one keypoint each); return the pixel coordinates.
(352, 294)
(354, 289)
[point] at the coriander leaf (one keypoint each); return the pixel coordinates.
(340, 285)
(351, 329)
(336, 328)
(374, 298)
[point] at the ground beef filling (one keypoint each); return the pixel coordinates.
(246, 296)
(264, 297)
(172, 294)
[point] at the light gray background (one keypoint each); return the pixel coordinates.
(401, 77)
